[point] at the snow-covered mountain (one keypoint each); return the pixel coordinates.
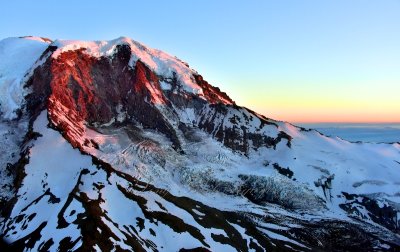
(112, 145)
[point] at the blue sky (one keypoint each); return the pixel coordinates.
(333, 60)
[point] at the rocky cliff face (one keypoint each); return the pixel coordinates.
(126, 147)
(81, 89)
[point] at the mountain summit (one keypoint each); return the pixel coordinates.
(112, 145)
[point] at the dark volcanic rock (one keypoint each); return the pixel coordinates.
(84, 89)
(384, 214)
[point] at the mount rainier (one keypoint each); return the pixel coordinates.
(114, 146)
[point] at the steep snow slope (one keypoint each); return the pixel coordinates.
(129, 143)
(17, 57)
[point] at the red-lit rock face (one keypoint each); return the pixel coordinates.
(212, 94)
(98, 89)
(79, 89)
(72, 83)
(146, 84)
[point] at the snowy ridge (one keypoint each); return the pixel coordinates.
(160, 62)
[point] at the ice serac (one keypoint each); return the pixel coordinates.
(124, 147)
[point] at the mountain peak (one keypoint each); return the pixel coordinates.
(161, 63)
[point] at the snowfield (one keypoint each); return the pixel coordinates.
(17, 57)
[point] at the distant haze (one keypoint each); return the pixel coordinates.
(377, 133)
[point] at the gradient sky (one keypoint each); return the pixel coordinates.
(300, 61)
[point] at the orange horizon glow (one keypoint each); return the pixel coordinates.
(328, 115)
(336, 119)
(341, 101)
(322, 114)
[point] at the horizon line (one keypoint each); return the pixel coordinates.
(342, 122)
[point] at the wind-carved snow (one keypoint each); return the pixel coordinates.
(17, 57)
(160, 62)
(52, 173)
(163, 234)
